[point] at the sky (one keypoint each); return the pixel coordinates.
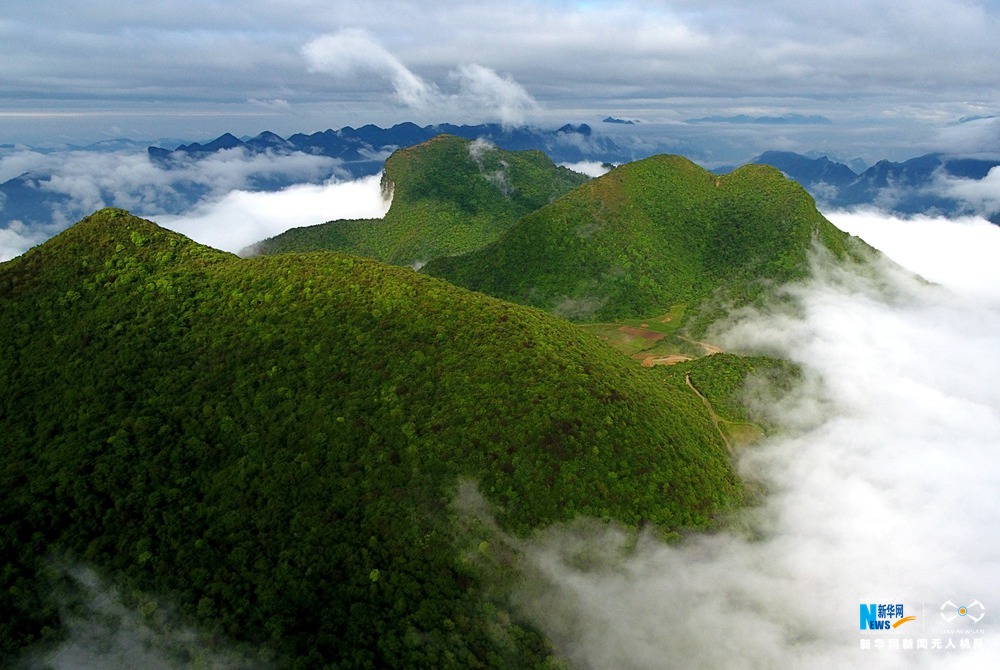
(894, 78)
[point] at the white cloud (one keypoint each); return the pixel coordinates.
(480, 147)
(241, 218)
(978, 136)
(958, 253)
(979, 195)
(351, 53)
(274, 103)
(884, 496)
(92, 180)
(589, 168)
(484, 89)
(897, 73)
(16, 238)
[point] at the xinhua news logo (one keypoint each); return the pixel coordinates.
(886, 616)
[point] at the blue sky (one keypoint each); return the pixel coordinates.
(895, 78)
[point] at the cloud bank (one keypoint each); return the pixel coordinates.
(91, 180)
(980, 196)
(16, 238)
(882, 489)
(227, 199)
(241, 218)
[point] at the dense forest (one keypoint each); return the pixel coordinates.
(449, 196)
(278, 444)
(651, 235)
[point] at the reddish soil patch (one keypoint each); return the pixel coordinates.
(650, 335)
(673, 359)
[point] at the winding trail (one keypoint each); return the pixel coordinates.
(711, 413)
(707, 347)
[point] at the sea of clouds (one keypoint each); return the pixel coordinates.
(881, 489)
(220, 200)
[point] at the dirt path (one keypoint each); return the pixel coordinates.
(708, 348)
(711, 413)
(673, 359)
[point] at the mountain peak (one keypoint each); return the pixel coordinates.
(648, 236)
(123, 244)
(449, 195)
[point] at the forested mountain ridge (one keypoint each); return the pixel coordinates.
(449, 195)
(277, 443)
(653, 234)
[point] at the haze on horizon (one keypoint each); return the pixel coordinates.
(893, 79)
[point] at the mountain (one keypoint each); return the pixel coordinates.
(289, 448)
(652, 235)
(914, 186)
(25, 198)
(184, 174)
(449, 195)
(363, 149)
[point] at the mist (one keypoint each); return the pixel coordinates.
(17, 238)
(880, 488)
(241, 218)
(104, 629)
(229, 199)
(590, 168)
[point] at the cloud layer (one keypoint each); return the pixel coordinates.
(217, 199)
(882, 490)
(894, 73)
(242, 218)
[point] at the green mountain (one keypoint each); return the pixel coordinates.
(652, 235)
(449, 196)
(282, 445)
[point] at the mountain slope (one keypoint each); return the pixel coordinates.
(449, 195)
(277, 443)
(649, 235)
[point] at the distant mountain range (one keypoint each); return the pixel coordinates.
(365, 149)
(54, 192)
(41, 195)
(922, 185)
